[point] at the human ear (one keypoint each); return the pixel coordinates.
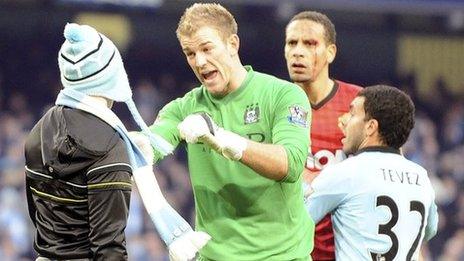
(331, 53)
(233, 44)
(372, 127)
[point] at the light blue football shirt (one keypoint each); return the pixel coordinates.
(382, 205)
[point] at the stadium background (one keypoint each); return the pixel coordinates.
(415, 45)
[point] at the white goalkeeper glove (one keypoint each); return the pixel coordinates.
(186, 246)
(143, 142)
(201, 128)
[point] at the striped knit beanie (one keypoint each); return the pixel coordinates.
(90, 63)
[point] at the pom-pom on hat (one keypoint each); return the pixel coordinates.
(91, 64)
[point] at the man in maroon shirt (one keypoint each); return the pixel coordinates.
(309, 50)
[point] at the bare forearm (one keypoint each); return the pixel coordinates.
(309, 175)
(268, 160)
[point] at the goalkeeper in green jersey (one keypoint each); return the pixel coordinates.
(247, 142)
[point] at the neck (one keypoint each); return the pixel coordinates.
(238, 74)
(317, 90)
(371, 141)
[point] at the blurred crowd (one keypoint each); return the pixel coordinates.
(437, 143)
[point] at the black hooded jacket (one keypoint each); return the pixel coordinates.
(78, 183)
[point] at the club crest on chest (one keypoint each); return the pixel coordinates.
(251, 114)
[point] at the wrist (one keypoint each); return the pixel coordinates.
(234, 144)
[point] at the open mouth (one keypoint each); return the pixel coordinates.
(343, 140)
(209, 75)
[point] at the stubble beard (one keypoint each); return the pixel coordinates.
(354, 147)
(301, 79)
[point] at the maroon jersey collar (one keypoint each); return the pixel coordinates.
(328, 98)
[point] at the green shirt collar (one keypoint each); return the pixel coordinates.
(237, 92)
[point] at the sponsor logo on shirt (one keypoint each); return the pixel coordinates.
(298, 116)
(323, 158)
(251, 114)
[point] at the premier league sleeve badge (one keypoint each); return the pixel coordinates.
(298, 116)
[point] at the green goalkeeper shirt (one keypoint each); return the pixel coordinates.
(248, 216)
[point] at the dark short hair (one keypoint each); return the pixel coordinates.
(393, 110)
(330, 34)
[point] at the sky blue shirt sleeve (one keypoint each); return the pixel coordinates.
(432, 222)
(330, 189)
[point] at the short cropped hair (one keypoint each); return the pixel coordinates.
(393, 110)
(330, 34)
(207, 14)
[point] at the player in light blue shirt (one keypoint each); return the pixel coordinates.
(382, 204)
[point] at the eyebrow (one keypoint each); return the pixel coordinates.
(202, 44)
(205, 43)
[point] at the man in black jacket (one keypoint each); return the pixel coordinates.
(78, 186)
(80, 159)
(78, 172)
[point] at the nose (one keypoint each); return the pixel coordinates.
(298, 51)
(200, 60)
